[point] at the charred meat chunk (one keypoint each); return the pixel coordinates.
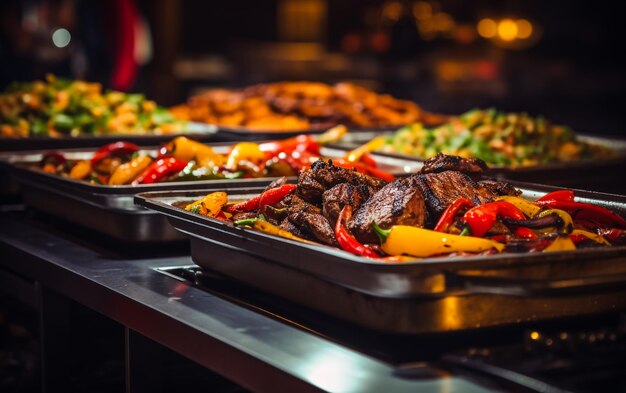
(441, 189)
(398, 203)
(500, 187)
(314, 224)
(474, 167)
(343, 194)
(308, 187)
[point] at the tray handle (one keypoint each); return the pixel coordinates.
(518, 287)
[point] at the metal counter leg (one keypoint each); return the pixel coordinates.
(143, 363)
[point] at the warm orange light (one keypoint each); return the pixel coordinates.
(422, 10)
(392, 10)
(487, 28)
(524, 29)
(507, 29)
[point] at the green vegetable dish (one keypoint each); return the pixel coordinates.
(60, 107)
(498, 138)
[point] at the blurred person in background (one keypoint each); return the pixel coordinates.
(103, 41)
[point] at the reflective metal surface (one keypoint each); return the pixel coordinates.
(260, 352)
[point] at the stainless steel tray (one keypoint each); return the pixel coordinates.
(199, 131)
(427, 296)
(110, 209)
(606, 175)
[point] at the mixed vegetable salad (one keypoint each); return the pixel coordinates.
(498, 138)
(59, 107)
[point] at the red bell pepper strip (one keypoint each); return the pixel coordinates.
(297, 143)
(448, 215)
(117, 149)
(160, 169)
(362, 168)
(588, 212)
(346, 241)
(558, 195)
(481, 218)
(525, 232)
(368, 160)
(269, 197)
(615, 236)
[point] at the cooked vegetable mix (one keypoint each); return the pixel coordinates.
(183, 159)
(60, 107)
(498, 138)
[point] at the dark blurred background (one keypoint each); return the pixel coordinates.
(560, 58)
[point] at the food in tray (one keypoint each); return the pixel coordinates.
(183, 159)
(58, 108)
(498, 138)
(446, 209)
(291, 106)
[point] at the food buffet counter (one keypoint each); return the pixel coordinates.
(248, 346)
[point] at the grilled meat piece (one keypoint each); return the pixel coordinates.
(441, 189)
(244, 216)
(417, 201)
(308, 187)
(294, 229)
(474, 167)
(500, 187)
(343, 194)
(398, 203)
(273, 214)
(330, 175)
(314, 224)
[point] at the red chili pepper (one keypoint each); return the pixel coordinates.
(53, 157)
(559, 195)
(269, 197)
(448, 215)
(481, 218)
(160, 169)
(113, 149)
(346, 241)
(301, 142)
(588, 212)
(362, 168)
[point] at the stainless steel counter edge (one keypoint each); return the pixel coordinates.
(254, 350)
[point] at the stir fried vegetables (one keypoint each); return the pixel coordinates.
(510, 139)
(59, 107)
(183, 159)
(509, 224)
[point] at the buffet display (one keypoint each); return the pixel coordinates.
(289, 106)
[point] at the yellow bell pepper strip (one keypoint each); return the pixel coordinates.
(578, 235)
(80, 170)
(210, 206)
(244, 151)
(186, 149)
(420, 242)
(561, 243)
(527, 207)
(375, 144)
(348, 242)
(567, 224)
(481, 218)
(451, 211)
(262, 225)
(159, 170)
(125, 173)
(332, 134)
